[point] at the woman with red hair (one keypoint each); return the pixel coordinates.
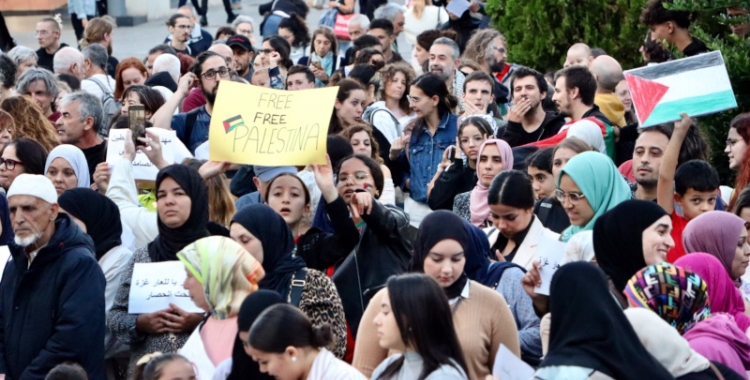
(131, 71)
(738, 139)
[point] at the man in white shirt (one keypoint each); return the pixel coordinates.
(97, 82)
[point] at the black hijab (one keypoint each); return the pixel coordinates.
(618, 239)
(6, 237)
(276, 238)
(100, 215)
(590, 330)
(438, 226)
(243, 367)
(172, 240)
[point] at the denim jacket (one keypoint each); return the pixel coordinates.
(426, 152)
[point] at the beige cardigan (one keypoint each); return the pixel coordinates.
(483, 321)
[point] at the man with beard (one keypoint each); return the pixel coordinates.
(192, 127)
(243, 55)
(52, 298)
(444, 61)
(180, 28)
(497, 53)
(527, 121)
(647, 155)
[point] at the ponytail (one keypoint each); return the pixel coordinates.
(283, 325)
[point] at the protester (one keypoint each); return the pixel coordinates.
(7, 129)
(394, 94)
(478, 312)
(494, 157)
(286, 344)
(66, 168)
(29, 122)
(42, 87)
(443, 61)
(99, 31)
(415, 319)
(158, 366)
(420, 17)
(83, 125)
(738, 138)
(243, 55)
(24, 57)
(434, 131)
(720, 340)
(364, 142)
(453, 177)
(294, 31)
(97, 82)
(722, 235)
(48, 32)
(130, 72)
(220, 274)
(671, 26)
(182, 219)
(20, 156)
(150, 99)
(264, 233)
(65, 277)
(348, 106)
(323, 59)
(590, 335)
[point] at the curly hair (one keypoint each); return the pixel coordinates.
(654, 13)
(125, 64)
(349, 132)
(297, 25)
(30, 121)
(388, 73)
(480, 44)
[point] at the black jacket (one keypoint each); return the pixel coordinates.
(322, 250)
(383, 251)
(455, 180)
(53, 312)
(514, 134)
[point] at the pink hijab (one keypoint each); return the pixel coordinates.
(716, 233)
(720, 340)
(723, 295)
(480, 208)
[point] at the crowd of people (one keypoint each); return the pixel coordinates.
(419, 250)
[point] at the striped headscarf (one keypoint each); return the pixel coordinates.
(227, 272)
(677, 295)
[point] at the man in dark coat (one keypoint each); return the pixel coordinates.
(52, 293)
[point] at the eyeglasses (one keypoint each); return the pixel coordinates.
(358, 176)
(266, 51)
(211, 74)
(412, 99)
(10, 164)
(573, 197)
(41, 33)
(500, 49)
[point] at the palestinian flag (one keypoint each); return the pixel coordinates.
(232, 123)
(696, 85)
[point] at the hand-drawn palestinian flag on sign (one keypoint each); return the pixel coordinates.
(232, 123)
(696, 85)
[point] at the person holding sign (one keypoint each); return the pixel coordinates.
(182, 207)
(265, 234)
(52, 296)
(220, 274)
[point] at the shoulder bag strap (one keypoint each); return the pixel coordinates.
(190, 119)
(717, 372)
(298, 285)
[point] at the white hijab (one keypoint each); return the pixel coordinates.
(665, 343)
(75, 158)
(589, 132)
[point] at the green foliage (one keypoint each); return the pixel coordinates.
(539, 32)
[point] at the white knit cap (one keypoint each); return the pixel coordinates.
(35, 185)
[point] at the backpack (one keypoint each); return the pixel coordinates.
(369, 115)
(109, 104)
(190, 119)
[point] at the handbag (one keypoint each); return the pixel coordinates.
(341, 27)
(317, 4)
(328, 18)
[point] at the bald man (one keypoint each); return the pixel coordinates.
(579, 55)
(69, 60)
(224, 51)
(608, 73)
(167, 63)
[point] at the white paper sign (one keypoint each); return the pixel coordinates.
(4, 259)
(510, 367)
(155, 285)
(143, 169)
(458, 7)
(551, 256)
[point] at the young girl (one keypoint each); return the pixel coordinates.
(158, 366)
(287, 346)
(453, 177)
(324, 60)
(415, 319)
(363, 142)
(434, 130)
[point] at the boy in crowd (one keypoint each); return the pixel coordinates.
(693, 186)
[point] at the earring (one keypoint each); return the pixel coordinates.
(294, 358)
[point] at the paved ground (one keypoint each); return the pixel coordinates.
(136, 41)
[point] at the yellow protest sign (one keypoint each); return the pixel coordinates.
(261, 126)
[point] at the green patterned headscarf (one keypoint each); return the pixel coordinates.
(227, 272)
(603, 186)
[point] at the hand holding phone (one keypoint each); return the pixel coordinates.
(137, 122)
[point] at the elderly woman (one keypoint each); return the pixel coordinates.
(24, 57)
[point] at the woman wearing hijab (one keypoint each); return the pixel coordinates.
(720, 340)
(182, 219)
(589, 185)
(629, 237)
(220, 274)
(590, 133)
(590, 338)
(265, 234)
(494, 156)
(679, 296)
(481, 317)
(67, 168)
(241, 366)
(722, 235)
(724, 296)
(672, 351)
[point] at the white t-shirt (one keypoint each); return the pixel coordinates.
(92, 88)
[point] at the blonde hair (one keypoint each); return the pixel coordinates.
(419, 6)
(95, 31)
(221, 207)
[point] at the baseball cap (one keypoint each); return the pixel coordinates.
(267, 173)
(241, 41)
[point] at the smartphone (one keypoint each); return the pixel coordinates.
(452, 153)
(137, 122)
(317, 64)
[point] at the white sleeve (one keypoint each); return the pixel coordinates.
(389, 193)
(123, 192)
(92, 88)
(384, 123)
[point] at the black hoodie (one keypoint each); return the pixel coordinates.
(514, 134)
(162, 79)
(53, 311)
